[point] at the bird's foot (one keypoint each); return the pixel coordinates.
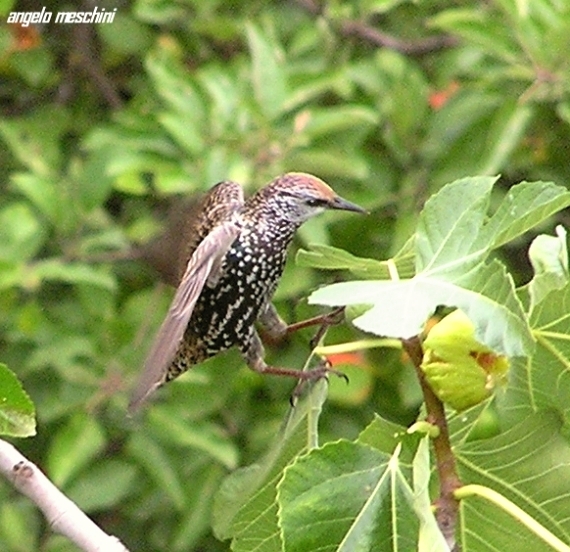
(320, 371)
(333, 318)
(336, 316)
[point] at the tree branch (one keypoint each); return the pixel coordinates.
(62, 514)
(365, 32)
(447, 505)
(375, 37)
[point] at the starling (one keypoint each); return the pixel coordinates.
(232, 261)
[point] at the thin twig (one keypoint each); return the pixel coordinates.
(365, 32)
(84, 57)
(62, 514)
(447, 505)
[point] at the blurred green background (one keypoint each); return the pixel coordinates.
(105, 128)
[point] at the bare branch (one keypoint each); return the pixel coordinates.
(373, 36)
(447, 505)
(62, 514)
(365, 32)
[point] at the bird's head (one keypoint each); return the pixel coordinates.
(300, 196)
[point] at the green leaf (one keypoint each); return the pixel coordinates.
(159, 467)
(173, 84)
(330, 162)
(481, 28)
(334, 81)
(74, 446)
(349, 496)
(12, 274)
(457, 133)
(94, 169)
(67, 354)
(447, 237)
(542, 381)
(6, 6)
(197, 516)
(36, 66)
(506, 133)
(73, 273)
(339, 498)
(379, 6)
(42, 192)
(358, 496)
(17, 412)
(21, 234)
(430, 537)
(401, 101)
(184, 132)
(35, 138)
(524, 206)
(268, 74)
(159, 13)
(245, 507)
(400, 308)
(528, 464)
(202, 436)
(385, 436)
(549, 258)
(224, 92)
(339, 120)
(103, 485)
(327, 257)
(453, 239)
(126, 36)
(19, 525)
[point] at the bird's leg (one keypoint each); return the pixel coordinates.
(277, 329)
(274, 327)
(253, 354)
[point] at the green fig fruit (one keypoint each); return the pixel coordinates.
(461, 371)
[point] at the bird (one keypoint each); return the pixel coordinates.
(232, 257)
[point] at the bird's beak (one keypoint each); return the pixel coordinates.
(344, 205)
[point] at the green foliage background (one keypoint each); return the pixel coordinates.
(102, 128)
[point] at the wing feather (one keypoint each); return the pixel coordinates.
(223, 218)
(214, 246)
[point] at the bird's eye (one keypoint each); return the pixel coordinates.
(315, 202)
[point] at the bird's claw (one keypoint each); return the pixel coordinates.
(321, 371)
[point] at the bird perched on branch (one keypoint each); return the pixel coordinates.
(232, 261)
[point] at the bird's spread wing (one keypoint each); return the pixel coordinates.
(167, 341)
(224, 227)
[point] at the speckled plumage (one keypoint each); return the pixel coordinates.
(236, 291)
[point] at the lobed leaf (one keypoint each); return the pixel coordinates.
(245, 507)
(352, 496)
(530, 465)
(543, 380)
(524, 206)
(342, 497)
(448, 232)
(400, 308)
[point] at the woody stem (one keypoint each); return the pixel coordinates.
(446, 504)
